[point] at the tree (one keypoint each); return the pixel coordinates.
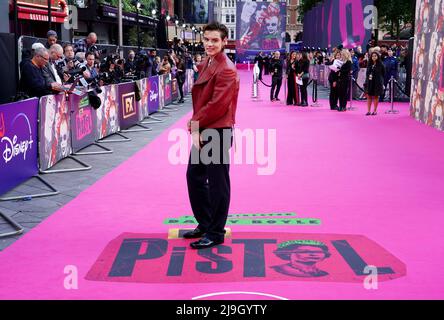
(394, 13)
(127, 6)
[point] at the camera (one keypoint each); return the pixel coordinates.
(94, 49)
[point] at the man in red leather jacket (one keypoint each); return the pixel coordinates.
(215, 96)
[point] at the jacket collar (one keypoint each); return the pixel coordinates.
(208, 71)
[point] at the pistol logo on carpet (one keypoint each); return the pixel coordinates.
(258, 219)
(153, 258)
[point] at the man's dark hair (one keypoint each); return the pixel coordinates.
(89, 54)
(216, 26)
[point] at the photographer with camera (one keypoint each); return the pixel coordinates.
(88, 45)
(91, 70)
(143, 65)
(111, 70)
(130, 66)
(69, 62)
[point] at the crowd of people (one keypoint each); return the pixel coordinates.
(380, 62)
(51, 68)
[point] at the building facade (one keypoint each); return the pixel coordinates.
(294, 27)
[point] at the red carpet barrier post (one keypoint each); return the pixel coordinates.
(18, 152)
(127, 107)
(55, 134)
(351, 94)
(107, 116)
(84, 126)
(255, 96)
(391, 88)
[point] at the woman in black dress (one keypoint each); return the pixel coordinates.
(180, 76)
(374, 82)
(292, 98)
(304, 74)
(344, 78)
(333, 81)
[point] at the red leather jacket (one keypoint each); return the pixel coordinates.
(215, 93)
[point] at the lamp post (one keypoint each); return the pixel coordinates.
(120, 22)
(184, 27)
(138, 6)
(49, 15)
(176, 22)
(168, 18)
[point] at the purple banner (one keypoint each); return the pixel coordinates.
(18, 143)
(128, 113)
(162, 91)
(174, 89)
(142, 104)
(83, 122)
(260, 26)
(167, 90)
(153, 98)
(107, 115)
(54, 130)
(335, 22)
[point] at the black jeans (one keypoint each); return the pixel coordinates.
(275, 85)
(209, 185)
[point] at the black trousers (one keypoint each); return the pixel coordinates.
(333, 96)
(209, 184)
(303, 88)
(276, 84)
(343, 93)
(180, 85)
(292, 94)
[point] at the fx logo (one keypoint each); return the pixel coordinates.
(2, 126)
(128, 102)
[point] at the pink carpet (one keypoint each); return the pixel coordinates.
(374, 183)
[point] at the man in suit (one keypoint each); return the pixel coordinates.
(214, 97)
(51, 71)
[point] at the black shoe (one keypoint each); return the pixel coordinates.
(196, 233)
(368, 114)
(277, 99)
(181, 101)
(374, 113)
(205, 243)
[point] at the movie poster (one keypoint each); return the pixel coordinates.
(260, 27)
(107, 114)
(55, 130)
(427, 94)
